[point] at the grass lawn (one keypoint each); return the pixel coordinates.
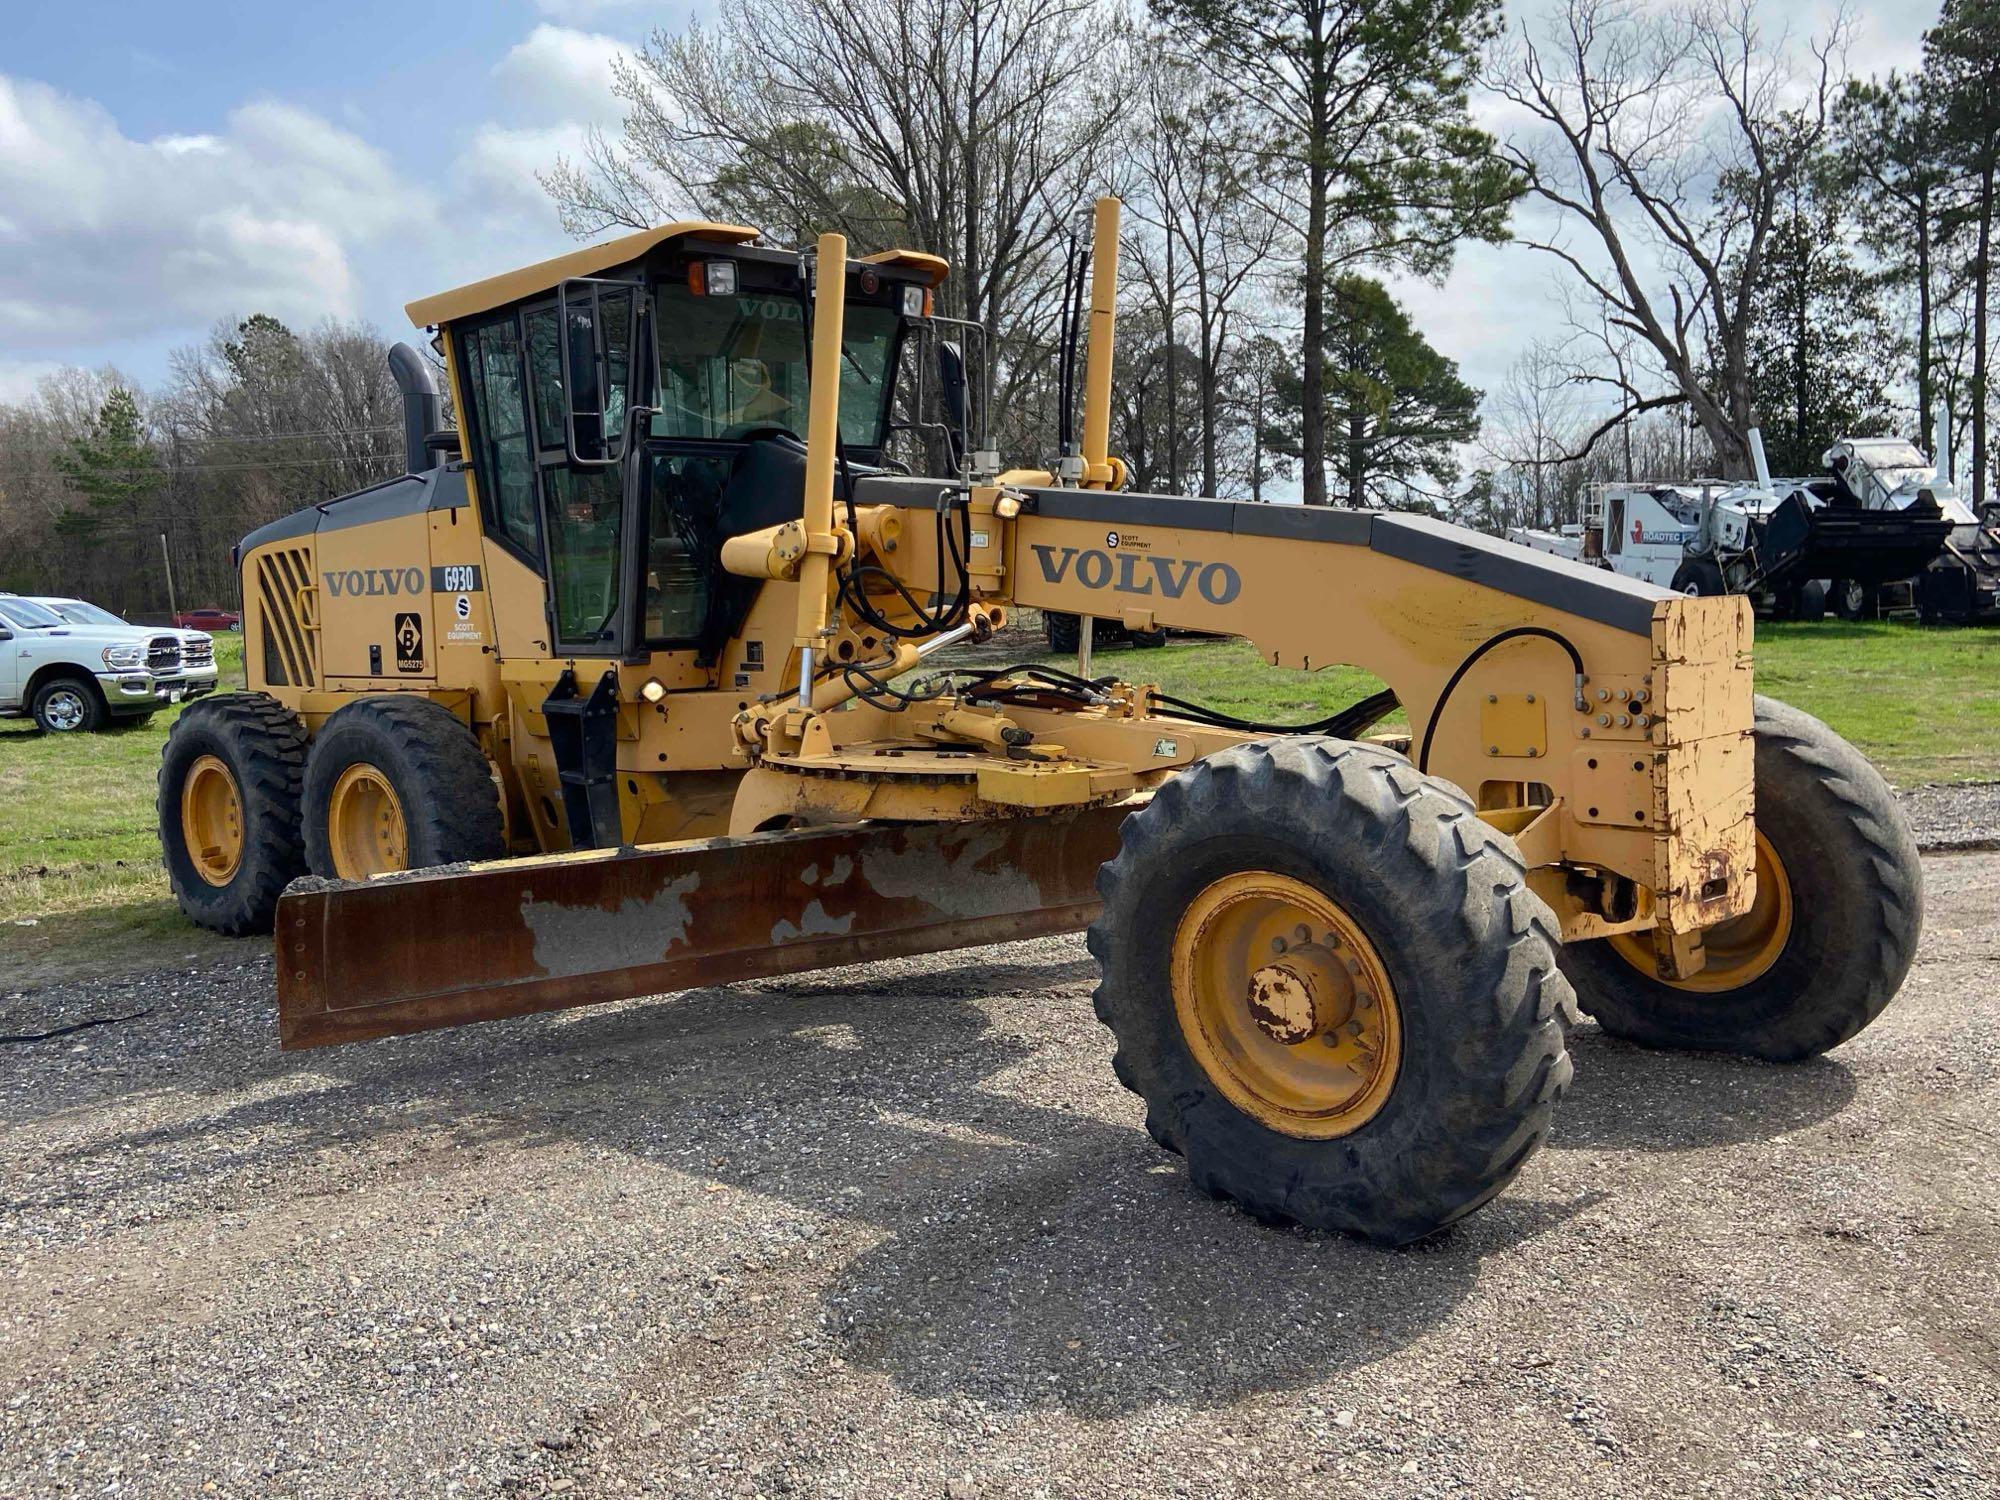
(1924, 705)
(78, 851)
(79, 856)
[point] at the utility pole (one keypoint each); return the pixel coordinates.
(168, 558)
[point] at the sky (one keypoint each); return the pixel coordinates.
(167, 166)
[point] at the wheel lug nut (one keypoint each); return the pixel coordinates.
(1277, 945)
(1303, 933)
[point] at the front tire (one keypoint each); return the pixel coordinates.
(229, 809)
(1330, 983)
(1834, 929)
(69, 705)
(398, 783)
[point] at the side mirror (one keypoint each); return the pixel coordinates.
(951, 391)
(6, 634)
(599, 322)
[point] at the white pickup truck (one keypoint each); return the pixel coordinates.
(71, 674)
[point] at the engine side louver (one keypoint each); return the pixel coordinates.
(291, 648)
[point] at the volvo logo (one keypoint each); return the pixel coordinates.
(357, 583)
(1129, 573)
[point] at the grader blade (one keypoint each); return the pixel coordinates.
(402, 953)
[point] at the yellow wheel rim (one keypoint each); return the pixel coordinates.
(212, 820)
(1738, 950)
(364, 824)
(1286, 1005)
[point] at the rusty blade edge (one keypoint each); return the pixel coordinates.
(446, 948)
(299, 1031)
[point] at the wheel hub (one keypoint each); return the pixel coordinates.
(64, 709)
(365, 830)
(1286, 1005)
(212, 820)
(1296, 998)
(1739, 950)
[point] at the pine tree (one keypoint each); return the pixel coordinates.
(1962, 63)
(1820, 350)
(1362, 144)
(1890, 167)
(112, 467)
(1393, 407)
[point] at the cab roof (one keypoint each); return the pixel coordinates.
(543, 276)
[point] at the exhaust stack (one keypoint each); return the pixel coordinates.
(423, 413)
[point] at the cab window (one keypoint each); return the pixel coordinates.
(500, 431)
(581, 517)
(730, 365)
(683, 546)
(545, 375)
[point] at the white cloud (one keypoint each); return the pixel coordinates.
(18, 380)
(109, 238)
(559, 74)
(590, 10)
(496, 173)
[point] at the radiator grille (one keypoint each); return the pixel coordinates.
(198, 653)
(163, 654)
(291, 651)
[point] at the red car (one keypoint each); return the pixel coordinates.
(207, 618)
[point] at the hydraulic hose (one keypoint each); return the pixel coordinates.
(1517, 633)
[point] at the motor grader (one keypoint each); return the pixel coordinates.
(630, 685)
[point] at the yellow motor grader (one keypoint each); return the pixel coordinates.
(630, 685)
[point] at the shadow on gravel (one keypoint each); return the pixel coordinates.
(1037, 1253)
(1627, 1098)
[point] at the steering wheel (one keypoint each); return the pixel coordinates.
(750, 432)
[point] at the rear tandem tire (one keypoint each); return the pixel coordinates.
(1853, 894)
(1453, 1088)
(444, 801)
(1064, 632)
(245, 755)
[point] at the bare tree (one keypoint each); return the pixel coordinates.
(1209, 232)
(1666, 142)
(1532, 423)
(973, 129)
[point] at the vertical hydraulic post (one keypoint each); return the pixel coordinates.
(822, 432)
(1099, 472)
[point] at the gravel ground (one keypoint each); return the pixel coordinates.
(895, 1231)
(1964, 815)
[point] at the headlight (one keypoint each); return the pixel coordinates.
(124, 658)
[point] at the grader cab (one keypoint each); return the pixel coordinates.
(630, 685)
